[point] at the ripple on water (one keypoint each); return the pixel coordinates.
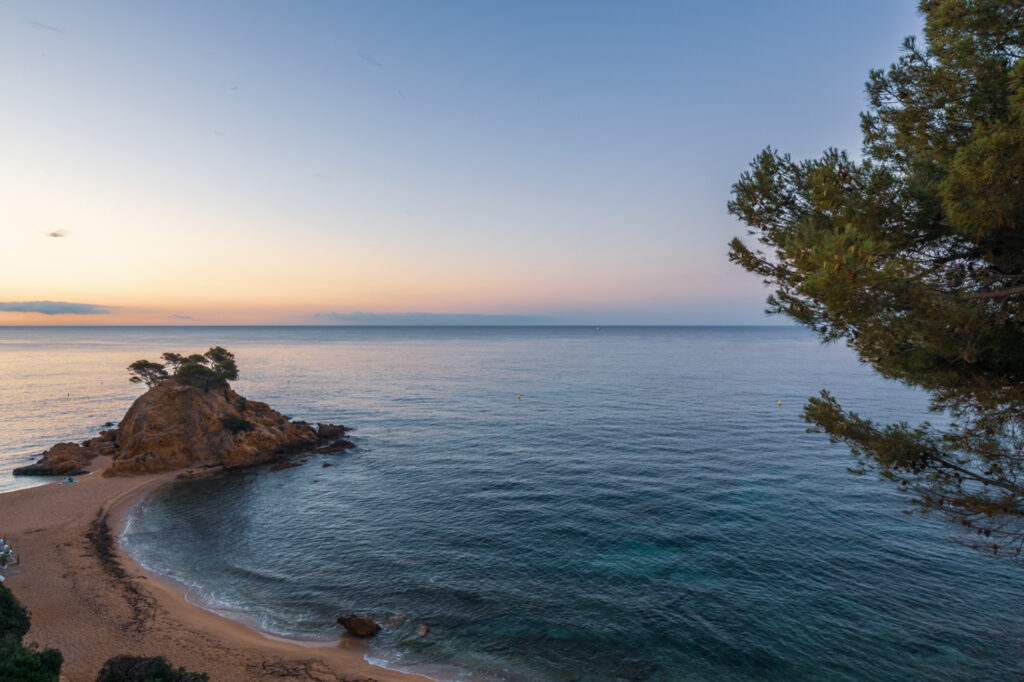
(646, 512)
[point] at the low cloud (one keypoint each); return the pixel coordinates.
(430, 319)
(53, 308)
(57, 234)
(182, 317)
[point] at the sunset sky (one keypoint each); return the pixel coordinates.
(300, 162)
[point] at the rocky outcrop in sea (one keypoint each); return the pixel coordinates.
(176, 426)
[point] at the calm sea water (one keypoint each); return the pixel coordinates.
(645, 510)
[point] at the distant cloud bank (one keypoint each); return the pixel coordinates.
(182, 317)
(429, 319)
(53, 308)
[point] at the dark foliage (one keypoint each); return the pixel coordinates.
(213, 369)
(173, 360)
(13, 616)
(149, 373)
(139, 669)
(915, 257)
(236, 424)
(20, 663)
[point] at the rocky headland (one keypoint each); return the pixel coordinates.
(192, 420)
(92, 603)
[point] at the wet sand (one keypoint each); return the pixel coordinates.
(91, 601)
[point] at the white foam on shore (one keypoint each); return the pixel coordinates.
(195, 594)
(426, 670)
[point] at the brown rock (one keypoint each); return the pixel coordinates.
(106, 448)
(63, 459)
(106, 439)
(358, 625)
(330, 431)
(176, 426)
(286, 465)
(422, 630)
(338, 446)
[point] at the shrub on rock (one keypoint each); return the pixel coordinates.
(140, 669)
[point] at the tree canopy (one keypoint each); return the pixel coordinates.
(212, 369)
(146, 372)
(139, 669)
(914, 256)
(18, 662)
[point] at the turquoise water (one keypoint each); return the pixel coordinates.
(645, 511)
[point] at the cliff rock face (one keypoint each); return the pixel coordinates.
(175, 425)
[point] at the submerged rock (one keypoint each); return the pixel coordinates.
(422, 630)
(286, 465)
(338, 446)
(358, 625)
(63, 459)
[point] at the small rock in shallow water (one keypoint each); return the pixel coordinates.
(330, 431)
(339, 445)
(422, 630)
(358, 625)
(327, 464)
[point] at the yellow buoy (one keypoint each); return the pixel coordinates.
(780, 403)
(520, 396)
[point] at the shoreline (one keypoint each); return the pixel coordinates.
(91, 600)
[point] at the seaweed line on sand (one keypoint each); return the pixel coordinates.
(102, 542)
(143, 607)
(297, 670)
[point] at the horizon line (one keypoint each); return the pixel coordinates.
(384, 325)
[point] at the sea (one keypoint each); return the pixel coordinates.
(555, 503)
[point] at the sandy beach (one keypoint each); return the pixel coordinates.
(91, 601)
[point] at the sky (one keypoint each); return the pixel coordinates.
(322, 162)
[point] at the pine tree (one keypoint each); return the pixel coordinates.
(914, 256)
